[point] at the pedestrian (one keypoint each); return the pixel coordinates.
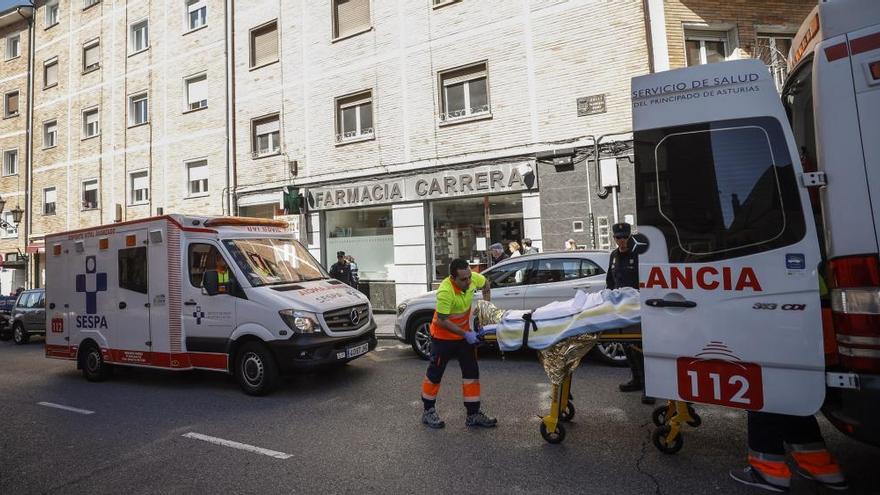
(452, 337)
(527, 246)
(570, 245)
(768, 436)
(514, 249)
(623, 271)
(355, 277)
(496, 251)
(341, 270)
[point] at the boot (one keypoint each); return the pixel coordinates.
(636, 383)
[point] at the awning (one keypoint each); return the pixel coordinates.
(36, 247)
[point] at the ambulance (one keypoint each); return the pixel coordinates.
(751, 207)
(229, 294)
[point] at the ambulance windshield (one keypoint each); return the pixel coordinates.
(274, 261)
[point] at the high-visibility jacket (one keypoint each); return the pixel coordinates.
(456, 303)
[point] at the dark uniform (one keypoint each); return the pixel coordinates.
(623, 271)
(341, 270)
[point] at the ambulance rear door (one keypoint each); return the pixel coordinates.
(728, 256)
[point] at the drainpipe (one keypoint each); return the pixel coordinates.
(231, 171)
(28, 147)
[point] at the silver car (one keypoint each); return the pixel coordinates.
(525, 282)
(29, 315)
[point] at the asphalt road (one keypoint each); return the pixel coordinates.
(355, 430)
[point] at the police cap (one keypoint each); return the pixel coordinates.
(621, 229)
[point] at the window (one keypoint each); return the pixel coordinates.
(140, 39)
(11, 100)
(773, 50)
(89, 3)
(465, 93)
(204, 257)
(590, 269)
(13, 46)
(91, 125)
(50, 134)
(26, 300)
(510, 275)
(90, 194)
(354, 117)
(9, 230)
(50, 73)
(705, 47)
(197, 92)
(731, 189)
(264, 44)
(133, 269)
(266, 136)
(560, 270)
(196, 13)
(49, 201)
(138, 109)
(10, 162)
(139, 187)
(52, 11)
(91, 56)
(197, 177)
(440, 3)
(350, 17)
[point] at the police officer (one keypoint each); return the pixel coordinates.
(341, 270)
(623, 271)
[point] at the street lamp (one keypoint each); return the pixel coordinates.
(17, 213)
(2, 204)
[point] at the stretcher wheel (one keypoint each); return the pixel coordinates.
(659, 440)
(697, 420)
(553, 437)
(658, 416)
(568, 413)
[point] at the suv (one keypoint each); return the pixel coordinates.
(29, 315)
(525, 282)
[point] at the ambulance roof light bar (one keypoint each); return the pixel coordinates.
(244, 222)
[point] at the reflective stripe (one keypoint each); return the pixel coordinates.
(808, 447)
(470, 389)
(819, 464)
(766, 457)
(463, 320)
(775, 472)
(430, 389)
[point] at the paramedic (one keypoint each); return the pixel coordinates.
(623, 271)
(452, 337)
(222, 274)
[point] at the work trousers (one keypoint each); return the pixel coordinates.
(769, 434)
(466, 354)
(636, 360)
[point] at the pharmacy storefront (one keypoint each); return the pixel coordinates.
(403, 231)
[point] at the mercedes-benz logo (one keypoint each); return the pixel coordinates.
(640, 243)
(354, 316)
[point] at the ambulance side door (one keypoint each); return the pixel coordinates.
(132, 335)
(208, 320)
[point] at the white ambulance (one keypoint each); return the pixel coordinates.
(236, 295)
(735, 247)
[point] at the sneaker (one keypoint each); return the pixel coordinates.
(480, 419)
(432, 419)
(833, 485)
(631, 386)
(749, 476)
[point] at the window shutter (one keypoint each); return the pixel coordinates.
(460, 76)
(51, 74)
(91, 118)
(12, 103)
(49, 195)
(139, 181)
(197, 90)
(91, 56)
(352, 16)
(266, 126)
(198, 171)
(90, 186)
(265, 45)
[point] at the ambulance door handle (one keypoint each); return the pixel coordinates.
(190, 303)
(663, 303)
(122, 305)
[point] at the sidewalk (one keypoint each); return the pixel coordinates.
(385, 325)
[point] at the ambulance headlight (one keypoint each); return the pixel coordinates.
(300, 321)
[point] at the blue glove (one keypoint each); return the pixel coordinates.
(471, 337)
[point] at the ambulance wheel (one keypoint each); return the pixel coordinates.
(555, 437)
(568, 413)
(659, 439)
(19, 335)
(255, 369)
(659, 416)
(94, 368)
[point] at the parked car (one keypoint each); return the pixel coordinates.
(525, 282)
(6, 305)
(29, 315)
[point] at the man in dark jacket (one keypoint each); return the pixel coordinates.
(341, 270)
(623, 271)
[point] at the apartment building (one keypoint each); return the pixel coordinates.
(15, 37)
(412, 126)
(129, 113)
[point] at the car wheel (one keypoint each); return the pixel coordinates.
(420, 336)
(94, 368)
(255, 369)
(611, 353)
(19, 335)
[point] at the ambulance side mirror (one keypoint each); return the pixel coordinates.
(211, 282)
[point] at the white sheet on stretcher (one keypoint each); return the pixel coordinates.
(586, 313)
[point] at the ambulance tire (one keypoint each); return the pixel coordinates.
(92, 363)
(255, 369)
(659, 440)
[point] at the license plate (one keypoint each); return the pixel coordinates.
(358, 350)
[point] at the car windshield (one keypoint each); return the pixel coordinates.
(274, 261)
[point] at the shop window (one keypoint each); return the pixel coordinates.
(264, 45)
(133, 269)
(365, 234)
(350, 17)
(90, 194)
(465, 93)
(706, 47)
(354, 117)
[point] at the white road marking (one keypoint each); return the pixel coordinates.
(239, 446)
(66, 408)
